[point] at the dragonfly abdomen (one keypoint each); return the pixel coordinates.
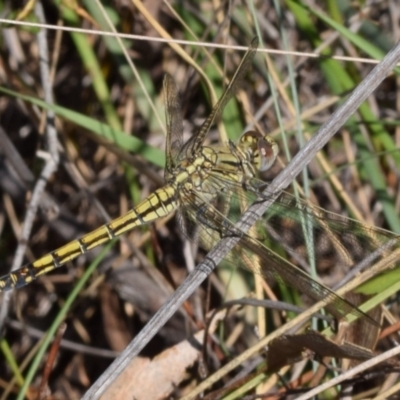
(159, 204)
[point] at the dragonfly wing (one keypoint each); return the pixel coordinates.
(173, 116)
(329, 239)
(269, 264)
(194, 144)
(313, 234)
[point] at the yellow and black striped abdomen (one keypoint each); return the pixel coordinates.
(157, 205)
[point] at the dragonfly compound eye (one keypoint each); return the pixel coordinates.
(268, 150)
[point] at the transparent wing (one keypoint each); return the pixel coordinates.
(331, 237)
(193, 145)
(307, 235)
(173, 117)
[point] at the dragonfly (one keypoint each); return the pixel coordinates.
(208, 186)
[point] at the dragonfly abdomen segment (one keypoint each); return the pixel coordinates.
(159, 204)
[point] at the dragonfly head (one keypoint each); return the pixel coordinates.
(262, 150)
